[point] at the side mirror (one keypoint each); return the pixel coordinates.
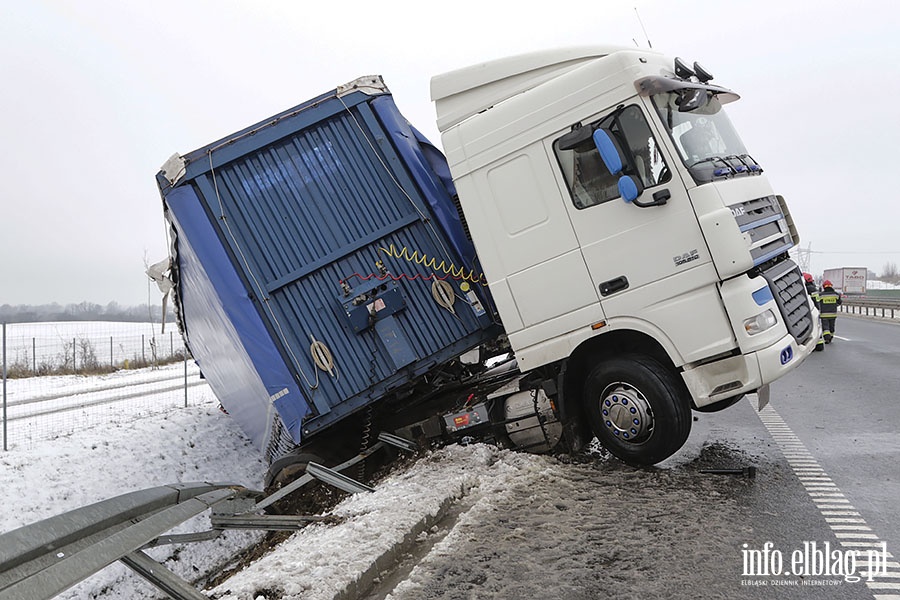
(614, 159)
(609, 150)
(630, 188)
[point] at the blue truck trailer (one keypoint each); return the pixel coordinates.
(320, 264)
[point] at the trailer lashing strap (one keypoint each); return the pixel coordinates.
(41, 560)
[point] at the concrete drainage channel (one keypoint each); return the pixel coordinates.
(396, 563)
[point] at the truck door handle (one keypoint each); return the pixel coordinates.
(613, 285)
(659, 198)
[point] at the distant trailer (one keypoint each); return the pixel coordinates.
(850, 281)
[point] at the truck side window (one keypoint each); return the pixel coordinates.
(587, 178)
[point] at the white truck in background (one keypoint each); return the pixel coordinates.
(848, 281)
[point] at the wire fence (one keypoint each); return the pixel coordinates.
(65, 376)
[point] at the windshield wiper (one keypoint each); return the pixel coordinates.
(714, 160)
(731, 164)
(746, 161)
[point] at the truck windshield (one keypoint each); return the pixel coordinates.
(708, 143)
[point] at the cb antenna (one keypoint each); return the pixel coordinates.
(642, 27)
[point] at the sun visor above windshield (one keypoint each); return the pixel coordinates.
(654, 84)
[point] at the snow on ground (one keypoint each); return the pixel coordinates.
(201, 443)
(198, 443)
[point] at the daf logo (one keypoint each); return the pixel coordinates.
(686, 258)
(786, 355)
(737, 211)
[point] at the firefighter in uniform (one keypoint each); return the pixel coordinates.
(813, 292)
(829, 300)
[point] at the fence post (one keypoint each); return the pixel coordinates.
(33, 357)
(74, 357)
(112, 365)
(143, 349)
(171, 345)
(185, 378)
(4, 387)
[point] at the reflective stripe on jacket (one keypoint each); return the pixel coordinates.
(829, 300)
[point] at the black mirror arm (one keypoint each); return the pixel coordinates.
(659, 199)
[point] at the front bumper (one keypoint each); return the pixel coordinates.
(723, 379)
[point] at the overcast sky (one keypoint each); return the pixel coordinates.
(97, 94)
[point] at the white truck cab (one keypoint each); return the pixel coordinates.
(630, 241)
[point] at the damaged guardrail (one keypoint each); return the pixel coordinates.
(40, 560)
(45, 558)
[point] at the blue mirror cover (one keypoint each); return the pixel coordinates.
(628, 189)
(609, 151)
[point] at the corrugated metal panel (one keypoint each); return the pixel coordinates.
(307, 208)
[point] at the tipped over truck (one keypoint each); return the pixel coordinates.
(593, 253)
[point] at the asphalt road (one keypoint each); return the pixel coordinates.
(827, 455)
(844, 406)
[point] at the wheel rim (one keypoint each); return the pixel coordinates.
(626, 413)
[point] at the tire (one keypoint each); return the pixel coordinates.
(287, 468)
(637, 408)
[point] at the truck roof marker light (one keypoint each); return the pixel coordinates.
(721, 171)
(598, 325)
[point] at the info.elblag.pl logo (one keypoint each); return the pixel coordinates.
(814, 560)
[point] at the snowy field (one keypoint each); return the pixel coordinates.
(39, 409)
(51, 345)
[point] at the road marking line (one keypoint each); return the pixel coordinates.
(843, 520)
(828, 498)
(843, 338)
(862, 544)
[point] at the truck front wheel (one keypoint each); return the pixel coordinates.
(637, 408)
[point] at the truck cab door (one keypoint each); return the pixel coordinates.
(645, 253)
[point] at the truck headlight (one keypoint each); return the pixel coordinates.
(760, 322)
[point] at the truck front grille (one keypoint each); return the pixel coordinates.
(786, 283)
(764, 227)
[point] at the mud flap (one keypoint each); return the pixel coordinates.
(762, 395)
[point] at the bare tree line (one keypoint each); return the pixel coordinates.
(889, 273)
(83, 311)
